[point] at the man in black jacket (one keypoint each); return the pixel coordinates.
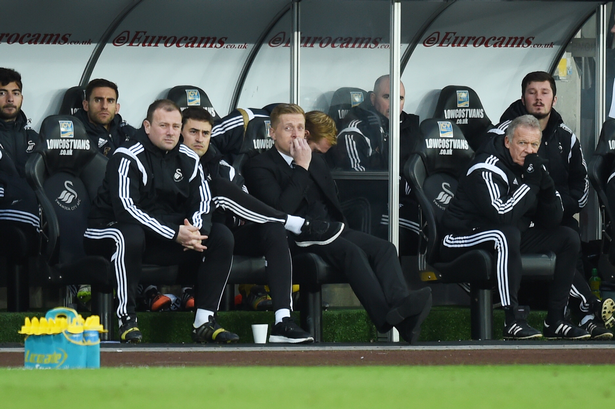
(364, 142)
(101, 116)
(507, 203)
(18, 203)
(363, 145)
(290, 178)
(107, 131)
(155, 207)
(566, 165)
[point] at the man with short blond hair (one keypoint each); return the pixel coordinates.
(293, 179)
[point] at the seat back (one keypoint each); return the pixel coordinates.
(256, 139)
(72, 101)
(460, 104)
(65, 172)
(601, 164)
(190, 96)
(433, 170)
(242, 134)
(342, 101)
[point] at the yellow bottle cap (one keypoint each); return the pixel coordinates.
(42, 327)
(75, 327)
(92, 323)
(26, 329)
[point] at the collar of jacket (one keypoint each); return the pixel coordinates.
(19, 123)
(496, 147)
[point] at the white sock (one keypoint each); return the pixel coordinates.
(294, 224)
(201, 317)
(281, 313)
(587, 318)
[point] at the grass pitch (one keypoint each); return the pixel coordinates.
(372, 387)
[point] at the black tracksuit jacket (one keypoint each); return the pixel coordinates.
(562, 148)
(493, 193)
(154, 188)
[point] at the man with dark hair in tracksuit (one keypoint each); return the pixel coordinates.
(251, 239)
(101, 116)
(566, 165)
(18, 203)
(506, 203)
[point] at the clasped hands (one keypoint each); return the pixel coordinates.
(190, 237)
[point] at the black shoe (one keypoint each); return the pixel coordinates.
(187, 300)
(410, 328)
(516, 326)
(564, 330)
(155, 300)
(603, 310)
(129, 332)
(258, 299)
(596, 330)
(288, 332)
(318, 232)
(212, 332)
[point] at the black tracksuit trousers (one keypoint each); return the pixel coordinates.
(509, 243)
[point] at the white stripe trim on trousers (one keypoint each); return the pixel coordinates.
(403, 223)
(501, 249)
(584, 303)
(118, 261)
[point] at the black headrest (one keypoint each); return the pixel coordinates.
(190, 96)
(606, 141)
(256, 138)
(269, 107)
(443, 147)
(65, 144)
(72, 101)
(461, 104)
(342, 100)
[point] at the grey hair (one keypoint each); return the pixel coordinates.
(526, 121)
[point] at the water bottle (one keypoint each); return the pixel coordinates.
(594, 283)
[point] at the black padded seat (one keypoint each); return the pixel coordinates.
(63, 173)
(599, 169)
